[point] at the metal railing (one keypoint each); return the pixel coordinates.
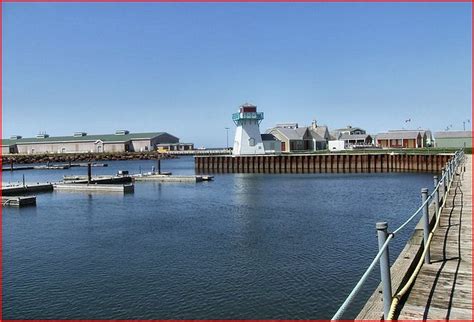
(441, 188)
(247, 116)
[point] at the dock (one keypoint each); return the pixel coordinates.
(26, 189)
(442, 289)
(19, 202)
(97, 180)
(84, 187)
(171, 178)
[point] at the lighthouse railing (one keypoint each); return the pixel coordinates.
(248, 116)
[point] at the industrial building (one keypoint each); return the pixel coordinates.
(453, 139)
(81, 142)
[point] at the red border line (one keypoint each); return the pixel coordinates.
(245, 1)
(209, 1)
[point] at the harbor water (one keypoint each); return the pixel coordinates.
(244, 246)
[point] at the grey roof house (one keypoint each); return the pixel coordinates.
(294, 138)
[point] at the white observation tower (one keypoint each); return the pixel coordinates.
(248, 139)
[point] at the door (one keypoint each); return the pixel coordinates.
(283, 146)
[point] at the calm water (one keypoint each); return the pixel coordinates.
(246, 246)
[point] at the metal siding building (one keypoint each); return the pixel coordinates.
(121, 141)
(453, 139)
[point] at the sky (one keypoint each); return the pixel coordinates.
(185, 68)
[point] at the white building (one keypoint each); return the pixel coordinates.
(248, 139)
(337, 145)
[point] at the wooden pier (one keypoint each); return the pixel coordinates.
(322, 163)
(443, 288)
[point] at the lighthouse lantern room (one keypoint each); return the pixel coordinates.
(248, 139)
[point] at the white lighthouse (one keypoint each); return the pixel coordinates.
(248, 139)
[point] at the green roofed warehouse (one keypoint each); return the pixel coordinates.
(81, 142)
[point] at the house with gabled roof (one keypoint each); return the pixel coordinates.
(294, 138)
(402, 139)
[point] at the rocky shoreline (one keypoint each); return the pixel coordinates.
(82, 157)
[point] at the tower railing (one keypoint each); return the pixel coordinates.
(247, 116)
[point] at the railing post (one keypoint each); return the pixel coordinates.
(384, 268)
(449, 173)
(443, 177)
(436, 194)
(426, 223)
(453, 170)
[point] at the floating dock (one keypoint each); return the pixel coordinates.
(97, 180)
(26, 189)
(171, 178)
(19, 202)
(84, 187)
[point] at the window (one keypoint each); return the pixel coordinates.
(252, 142)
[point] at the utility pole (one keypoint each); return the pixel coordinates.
(227, 137)
(464, 124)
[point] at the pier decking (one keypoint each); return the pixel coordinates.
(443, 289)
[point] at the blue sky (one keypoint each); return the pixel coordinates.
(185, 68)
